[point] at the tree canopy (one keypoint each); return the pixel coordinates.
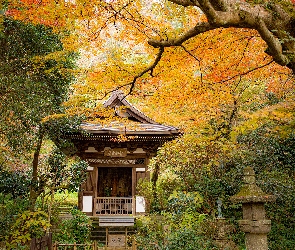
(141, 31)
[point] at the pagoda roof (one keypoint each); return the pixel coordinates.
(137, 122)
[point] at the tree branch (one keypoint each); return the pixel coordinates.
(150, 68)
(274, 45)
(198, 29)
(185, 3)
(246, 72)
(241, 14)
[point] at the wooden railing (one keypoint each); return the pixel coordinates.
(112, 205)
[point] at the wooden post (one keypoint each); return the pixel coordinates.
(94, 245)
(75, 247)
(133, 190)
(133, 245)
(94, 186)
(107, 235)
(125, 237)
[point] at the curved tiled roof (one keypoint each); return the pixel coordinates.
(138, 123)
(141, 128)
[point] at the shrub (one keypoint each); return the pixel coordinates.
(28, 225)
(179, 227)
(74, 230)
(9, 209)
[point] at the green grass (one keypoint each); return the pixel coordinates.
(66, 198)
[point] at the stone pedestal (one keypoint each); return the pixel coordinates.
(221, 239)
(254, 223)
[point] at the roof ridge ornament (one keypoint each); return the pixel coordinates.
(118, 98)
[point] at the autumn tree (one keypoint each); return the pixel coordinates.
(273, 20)
(108, 29)
(156, 49)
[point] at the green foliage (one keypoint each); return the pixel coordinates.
(186, 238)
(10, 207)
(182, 209)
(28, 225)
(195, 163)
(35, 75)
(179, 226)
(34, 78)
(64, 174)
(66, 198)
(57, 126)
(74, 230)
(77, 175)
(212, 167)
(272, 157)
(15, 183)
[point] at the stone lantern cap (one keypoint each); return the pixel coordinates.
(250, 192)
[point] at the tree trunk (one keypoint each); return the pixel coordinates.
(154, 179)
(36, 187)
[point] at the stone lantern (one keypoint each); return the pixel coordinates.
(254, 223)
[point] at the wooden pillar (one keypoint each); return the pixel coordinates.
(125, 237)
(96, 181)
(107, 236)
(133, 190)
(95, 187)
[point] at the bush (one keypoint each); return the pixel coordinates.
(9, 209)
(186, 238)
(74, 230)
(15, 183)
(28, 225)
(179, 227)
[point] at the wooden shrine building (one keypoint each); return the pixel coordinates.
(117, 163)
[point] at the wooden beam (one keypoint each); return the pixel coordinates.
(86, 155)
(118, 165)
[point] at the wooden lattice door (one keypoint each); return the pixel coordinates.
(114, 182)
